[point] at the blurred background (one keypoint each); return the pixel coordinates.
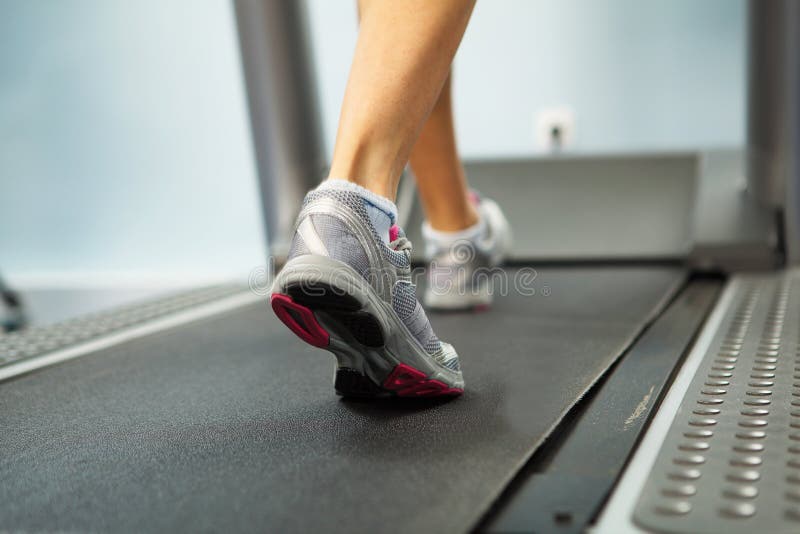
(126, 157)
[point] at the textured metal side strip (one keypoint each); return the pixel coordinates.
(201, 312)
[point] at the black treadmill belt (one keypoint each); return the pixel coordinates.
(232, 423)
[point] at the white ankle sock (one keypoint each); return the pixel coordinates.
(382, 211)
(445, 239)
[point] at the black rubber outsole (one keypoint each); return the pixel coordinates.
(351, 383)
(345, 311)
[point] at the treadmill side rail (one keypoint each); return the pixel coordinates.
(723, 452)
(567, 481)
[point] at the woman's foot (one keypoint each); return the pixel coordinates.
(347, 288)
(460, 274)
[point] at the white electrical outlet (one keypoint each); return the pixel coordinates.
(555, 129)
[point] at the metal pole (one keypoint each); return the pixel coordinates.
(773, 114)
(282, 97)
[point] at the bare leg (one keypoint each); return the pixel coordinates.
(440, 176)
(402, 59)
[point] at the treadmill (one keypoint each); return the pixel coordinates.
(639, 371)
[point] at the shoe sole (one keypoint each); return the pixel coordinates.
(326, 317)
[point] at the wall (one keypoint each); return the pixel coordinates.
(125, 152)
(638, 74)
(124, 144)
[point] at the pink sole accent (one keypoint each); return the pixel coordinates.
(302, 322)
(474, 198)
(406, 381)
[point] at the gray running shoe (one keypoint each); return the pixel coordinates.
(345, 290)
(461, 273)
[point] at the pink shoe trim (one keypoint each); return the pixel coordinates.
(302, 322)
(409, 382)
(474, 197)
(394, 232)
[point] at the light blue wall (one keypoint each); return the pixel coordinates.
(639, 74)
(124, 142)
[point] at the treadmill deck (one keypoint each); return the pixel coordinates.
(231, 422)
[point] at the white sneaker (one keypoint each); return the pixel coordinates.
(347, 289)
(461, 263)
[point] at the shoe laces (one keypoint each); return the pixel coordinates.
(401, 244)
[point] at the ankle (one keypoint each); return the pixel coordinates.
(372, 167)
(454, 221)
